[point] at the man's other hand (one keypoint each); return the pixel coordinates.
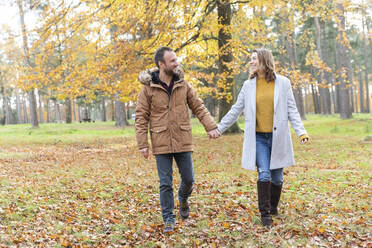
(145, 152)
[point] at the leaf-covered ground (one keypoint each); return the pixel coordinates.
(72, 186)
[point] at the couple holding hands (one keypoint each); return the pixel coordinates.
(267, 101)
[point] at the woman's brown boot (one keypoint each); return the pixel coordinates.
(264, 205)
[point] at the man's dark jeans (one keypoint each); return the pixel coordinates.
(165, 172)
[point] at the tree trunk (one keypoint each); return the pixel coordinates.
(334, 100)
(7, 110)
(350, 83)
(336, 93)
(25, 113)
(315, 95)
(321, 82)
(306, 102)
(225, 56)
(33, 109)
(112, 109)
(361, 91)
(345, 109)
(327, 74)
(19, 110)
(41, 112)
(73, 109)
(103, 104)
(356, 98)
(121, 118)
(79, 113)
(365, 66)
(351, 92)
(31, 93)
(68, 110)
(297, 89)
(315, 100)
(48, 110)
(57, 111)
(321, 44)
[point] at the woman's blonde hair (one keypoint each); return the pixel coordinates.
(265, 58)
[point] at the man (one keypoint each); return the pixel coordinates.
(163, 106)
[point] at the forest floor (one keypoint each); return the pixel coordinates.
(85, 185)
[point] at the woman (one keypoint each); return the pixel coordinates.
(268, 104)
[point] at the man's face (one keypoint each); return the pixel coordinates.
(170, 63)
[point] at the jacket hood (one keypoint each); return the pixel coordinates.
(145, 77)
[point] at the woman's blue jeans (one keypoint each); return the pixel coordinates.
(165, 173)
(263, 156)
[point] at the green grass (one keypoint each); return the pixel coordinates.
(66, 133)
(86, 184)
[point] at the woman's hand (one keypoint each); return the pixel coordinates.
(214, 134)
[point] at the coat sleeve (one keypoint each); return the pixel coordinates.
(142, 118)
(199, 110)
(232, 116)
(293, 115)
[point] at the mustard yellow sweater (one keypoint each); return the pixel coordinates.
(265, 107)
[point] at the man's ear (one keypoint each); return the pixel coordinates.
(161, 64)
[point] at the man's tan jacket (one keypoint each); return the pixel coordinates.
(167, 116)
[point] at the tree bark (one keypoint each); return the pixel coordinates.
(25, 113)
(68, 110)
(31, 93)
(291, 51)
(323, 84)
(19, 110)
(41, 112)
(367, 109)
(306, 102)
(6, 106)
(121, 119)
(361, 91)
(225, 56)
(73, 109)
(345, 108)
(48, 110)
(315, 99)
(112, 109)
(79, 113)
(325, 58)
(57, 111)
(103, 104)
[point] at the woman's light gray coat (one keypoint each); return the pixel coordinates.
(284, 110)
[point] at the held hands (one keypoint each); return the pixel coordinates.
(145, 152)
(214, 134)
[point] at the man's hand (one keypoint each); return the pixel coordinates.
(214, 134)
(145, 152)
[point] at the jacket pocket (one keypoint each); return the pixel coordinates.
(186, 134)
(159, 137)
(185, 127)
(158, 129)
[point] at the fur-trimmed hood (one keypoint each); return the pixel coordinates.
(145, 77)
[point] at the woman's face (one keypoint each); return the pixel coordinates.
(255, 65)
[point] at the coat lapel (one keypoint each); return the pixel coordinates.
(252, 97)
(276, 92)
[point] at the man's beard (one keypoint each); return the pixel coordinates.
(168, 71)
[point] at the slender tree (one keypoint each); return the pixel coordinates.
(31, 91)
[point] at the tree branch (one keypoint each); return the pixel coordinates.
(236, 2)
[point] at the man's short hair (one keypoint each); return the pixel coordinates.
(159, 54)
